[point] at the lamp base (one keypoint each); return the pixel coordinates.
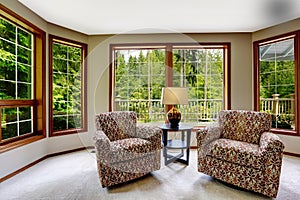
(174, 117)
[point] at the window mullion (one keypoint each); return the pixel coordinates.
(67, 73)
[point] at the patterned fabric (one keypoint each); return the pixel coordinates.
(240, 153)
(246, 126)
(205, 137)
(112, 124)
(128, 149)
(121, 172)
(252, 165)
(124, 150)
(151, 134)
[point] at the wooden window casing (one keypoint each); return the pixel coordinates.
(38, 100)
(296, 49)
(83, 73)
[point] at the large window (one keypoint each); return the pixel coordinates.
(68, 86)
(22, 100)
(277, 91)
(140, 72)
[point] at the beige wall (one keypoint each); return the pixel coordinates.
(283, 28)
(292, 143)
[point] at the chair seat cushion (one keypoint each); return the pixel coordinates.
(238, 152)
(130, 148)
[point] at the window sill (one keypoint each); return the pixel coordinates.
(67, 132)
(19, 143)
(285, 132)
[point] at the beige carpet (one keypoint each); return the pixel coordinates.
(74, 176)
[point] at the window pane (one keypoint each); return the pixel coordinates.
(60, 80)
(201, 70)
(24, 55)
(74, 80)
(24, 38)
(7, 90)
(9, 115)
(15, 62)
(74, 53)
(24, 73)
(8, 70)
(24, 91)
(7, 30)
(59, 94)
(74, 67)
(8, 50)
(140, 76)
(25, 113)
(277, 83)
(9, 130)
(60, 65)
(16, 121)
(25, 127)
(60, 108)
(74, 94)
(59, 123)
(59, 51)
(75, 108)
(67, 90)
(74, 121)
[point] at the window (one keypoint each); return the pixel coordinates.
(277, 66)
(22, 101)
(67, 86)
(140, 72)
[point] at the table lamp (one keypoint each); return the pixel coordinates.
(174, 96)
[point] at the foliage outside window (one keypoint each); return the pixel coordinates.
(67, 86)
(276, 74)
(21, 102)
(140, 73)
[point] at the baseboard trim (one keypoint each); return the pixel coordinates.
(41, 159)
(292, 154)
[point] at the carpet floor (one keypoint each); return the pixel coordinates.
(74, 176)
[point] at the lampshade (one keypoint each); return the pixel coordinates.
(174, 96)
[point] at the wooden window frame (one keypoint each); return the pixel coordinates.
(169, 62)
(83, 46)
(256, 83)
(39, 76)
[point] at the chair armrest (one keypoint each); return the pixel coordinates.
(102, 146)
(270, 143)
(206, 136)
(150, 133)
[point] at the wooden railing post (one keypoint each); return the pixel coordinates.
(292, 111)
(275, 104)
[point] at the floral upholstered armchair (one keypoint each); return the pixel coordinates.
(125, 151)
(241, 151)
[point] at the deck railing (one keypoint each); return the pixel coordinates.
(199, 111)
(282, 110)
(196, 112)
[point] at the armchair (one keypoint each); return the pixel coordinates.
(125, 151)
(241, 151)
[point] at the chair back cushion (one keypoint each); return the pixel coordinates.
(117, 125)
(246, 126)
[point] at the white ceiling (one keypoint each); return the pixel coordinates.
(160, 16)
